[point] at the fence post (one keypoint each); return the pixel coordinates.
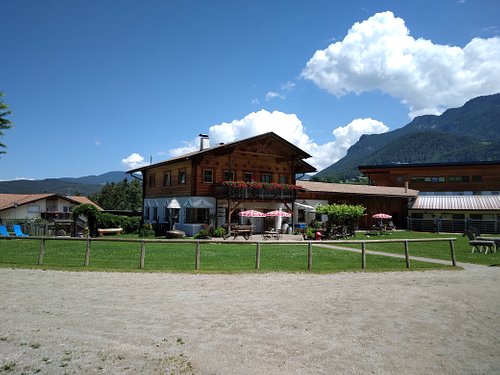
(143, 253)
(197, 256)
(87, 253)
(452, 249)
(407, 255)
(257, 257)
(363, 255)
(42, 252)
(309, 256)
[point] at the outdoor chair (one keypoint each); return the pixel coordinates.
(480, 245)
(18, 231)
(3, 231)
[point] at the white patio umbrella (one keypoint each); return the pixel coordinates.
(251, 213)
(279, 213)
(382, 216)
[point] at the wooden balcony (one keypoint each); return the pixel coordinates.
(54, 215)
(262, 192)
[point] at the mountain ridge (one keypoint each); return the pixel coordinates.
(85, 185)
(471, 132)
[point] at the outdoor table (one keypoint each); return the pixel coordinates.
(267, 235)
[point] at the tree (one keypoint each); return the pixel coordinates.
(122, 195)
(4, 122)
(92, 215)
(344, 216)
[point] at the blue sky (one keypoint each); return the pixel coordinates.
(96, 86)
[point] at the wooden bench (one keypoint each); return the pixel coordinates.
(104, 231)
(480, 244)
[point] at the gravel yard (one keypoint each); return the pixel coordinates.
(273, 323)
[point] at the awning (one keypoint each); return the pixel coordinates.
(305, 207)
(174, 204)
(202, 204)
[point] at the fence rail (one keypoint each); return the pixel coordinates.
(198, 247)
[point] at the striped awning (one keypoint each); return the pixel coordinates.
(457, 202)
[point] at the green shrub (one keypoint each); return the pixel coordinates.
(202, 234)
(146, 231)
(219, 232)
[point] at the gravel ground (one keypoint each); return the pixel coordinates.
(443, 322)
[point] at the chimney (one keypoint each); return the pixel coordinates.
(204, 141)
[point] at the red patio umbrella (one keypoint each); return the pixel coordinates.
(251, 213)
(279, 213)
(382, 216)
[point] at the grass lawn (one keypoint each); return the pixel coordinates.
(180, 257)
(437, 250)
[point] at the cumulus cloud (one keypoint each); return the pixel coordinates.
(133, 161)
(380, 54)
(290, 127)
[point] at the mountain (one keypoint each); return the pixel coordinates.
(66, 185)
(468, 133)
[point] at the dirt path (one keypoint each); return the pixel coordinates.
(350, 323)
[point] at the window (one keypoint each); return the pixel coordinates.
(248, 177)
(208, 176)
(475, 216)
(458, 179)
(197, 215)
(33, 208)
(228, 176)
(155, 213)
(167, 178)
(417, 216)
(399, 178)
(146, 214)
(283, 180)
(302, 215)
(152, 181)
(266, 177)
(181, 178)
(437, 179)
(477, 178)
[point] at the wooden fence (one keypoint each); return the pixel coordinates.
(199, 243)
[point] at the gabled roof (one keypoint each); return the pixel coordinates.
(326, 187)
(8, 201)
(457, 202)
(227, 147)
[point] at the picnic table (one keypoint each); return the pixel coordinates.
(496, 240)
(245, 231)
(267, 235)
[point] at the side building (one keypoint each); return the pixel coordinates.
(453, 196)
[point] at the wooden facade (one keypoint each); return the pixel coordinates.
(258, 172)
(443, 177)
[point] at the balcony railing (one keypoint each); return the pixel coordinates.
(51, 215)
(255, 193)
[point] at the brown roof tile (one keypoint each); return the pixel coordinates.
(326, 187)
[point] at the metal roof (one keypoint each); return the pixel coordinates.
(457, 202)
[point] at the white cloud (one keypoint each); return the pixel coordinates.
(255, 101)
(289, 127)
(287, 86)
(271, 95)
(380, 54)
(133, 161)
